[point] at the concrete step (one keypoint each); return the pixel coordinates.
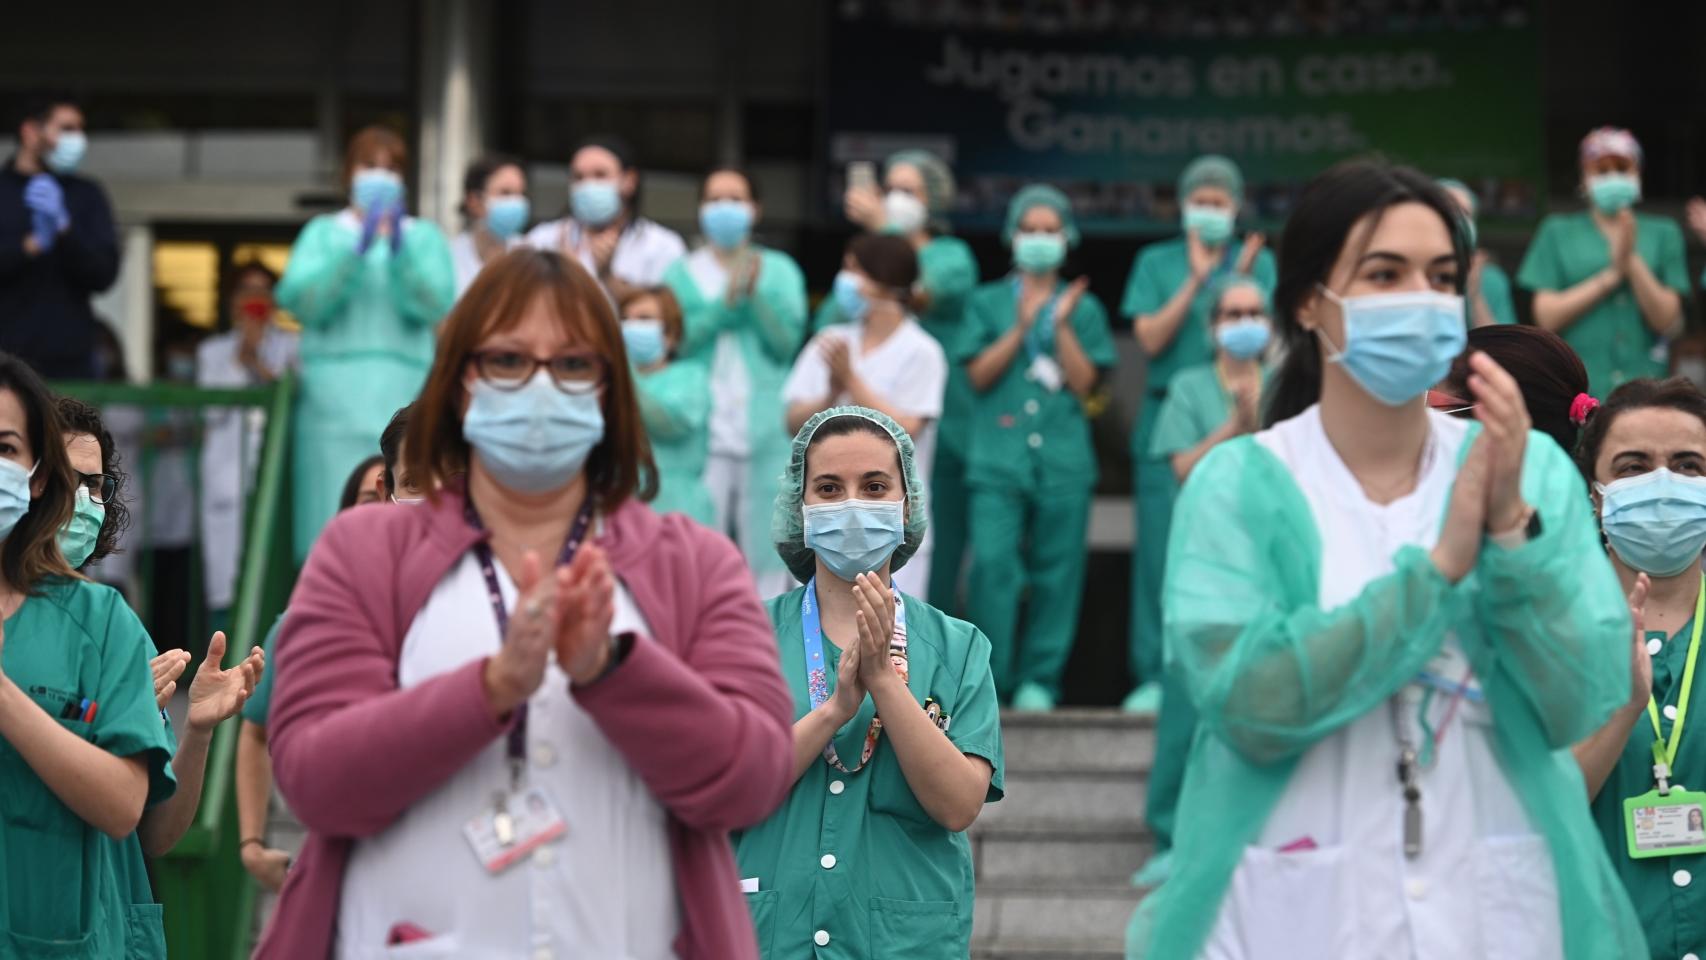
(1107, 799)
(1078, 740)
(1052, 915)
(1059, 853)
(1047, 951)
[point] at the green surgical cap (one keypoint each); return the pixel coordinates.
(938, 179)
(1212, 171)
(788, 523)
(1223, 282)
(1040, 195)
(1452, 183)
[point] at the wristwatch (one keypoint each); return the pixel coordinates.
(1519, 535)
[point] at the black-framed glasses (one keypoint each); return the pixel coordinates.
(1244, 314)
(102, 487)
(511, 369)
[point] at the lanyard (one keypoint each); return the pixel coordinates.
(817, 675)
(1041, 334)
(1664, 755)
(483, 551)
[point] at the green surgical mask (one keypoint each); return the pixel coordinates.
(77, 538)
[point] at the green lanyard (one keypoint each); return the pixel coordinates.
(1664, 755)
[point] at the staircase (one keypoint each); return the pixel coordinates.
(1055, 857)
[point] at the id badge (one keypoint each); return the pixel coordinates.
(501, 838)
(1665, 826)
(1045, 372)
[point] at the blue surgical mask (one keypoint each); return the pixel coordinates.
(1243, 339)
(726, 223)
(1656, 521)
(505, 216)
(376, 189)
(77, 538)
(1212, 225)
(14, 494)
(849, 296)
(536, 437)
(1397, 345)
(1614, 192)
(644, 340)
(595, 202)
(1039, 252)
(67, 152)
(854, 536)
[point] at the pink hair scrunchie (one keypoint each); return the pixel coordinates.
(1581, 408)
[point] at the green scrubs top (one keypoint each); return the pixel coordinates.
(1158, 272)
(1196, 405)
(1673, 917)
(854, 855)
(1612, 338)
(675, 403)
(1496, 290)
(1024, 436)
(260, 702)
(66, 888)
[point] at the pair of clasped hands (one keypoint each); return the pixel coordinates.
(564, 612)
(1487, 497)
(866, 665)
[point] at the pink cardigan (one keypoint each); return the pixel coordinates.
(700, 711)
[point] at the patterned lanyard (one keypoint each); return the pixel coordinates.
(488, 569)
(817, 676)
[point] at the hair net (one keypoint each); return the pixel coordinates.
(1611, 142)
(1223, 282)
(1040, 195)
(1452, 183)
(1212, 170)
(938, 179)
(788, 525)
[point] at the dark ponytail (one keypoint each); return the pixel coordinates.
(1329, 208)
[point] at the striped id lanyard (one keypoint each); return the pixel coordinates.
(817, 674)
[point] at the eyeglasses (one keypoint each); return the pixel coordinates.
(102, 488)
(510, 370)
(1246, 314)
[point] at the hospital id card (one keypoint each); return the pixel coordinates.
(1665, 826)
(1046, 373)
(501, 838)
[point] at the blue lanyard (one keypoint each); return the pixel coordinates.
(817, 669)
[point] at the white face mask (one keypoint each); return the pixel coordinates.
(904, 212)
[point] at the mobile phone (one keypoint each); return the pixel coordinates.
(861, 175)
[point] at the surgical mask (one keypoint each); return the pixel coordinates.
(1243, 339)
(1656, 522)
(505, 216)
(14, 494)
(849, 296)
(376, 189)
(1212, 225)
(854, 536)
(77, 538)
(644, 340)
(726, 223)
(1614, 192)
(903, 212)
(595, 202)
(67, 152)
(1397, 345)
(536, 437)
(1038, 252)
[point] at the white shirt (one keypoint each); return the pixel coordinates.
(465, 257)
(643, 251)
(907, 369)
(731, 388)
(605, 890)
(1483, 885)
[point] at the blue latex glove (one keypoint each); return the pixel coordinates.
(45, 198)
(369, 229)
(397, 230)
(44, 229)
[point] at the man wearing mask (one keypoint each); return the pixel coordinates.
(57, 243)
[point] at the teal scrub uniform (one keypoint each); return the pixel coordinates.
(900, 885)
(675, 403)
(1031, 474)
(1673, 916)
(1612, 337)
(260, 702)
(1159, 271)
(1496, 290)
(947, 271)
(1196, 405)
(367, 343)
(67, 889)
(768, 327)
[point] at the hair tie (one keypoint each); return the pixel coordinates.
(1581, 408)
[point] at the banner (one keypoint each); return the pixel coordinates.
(1112, 115)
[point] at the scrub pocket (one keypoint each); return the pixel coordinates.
(1518, 889)
(915, 929)
(763, 907)
(144, 932)
(1299, 898)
